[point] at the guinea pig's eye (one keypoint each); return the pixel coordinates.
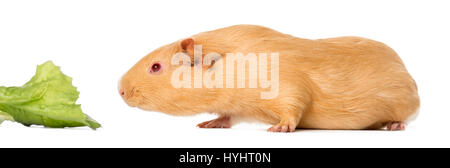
(155, 67)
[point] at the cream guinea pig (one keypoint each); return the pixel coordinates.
(348, 83)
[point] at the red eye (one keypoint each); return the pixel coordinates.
(155, 68)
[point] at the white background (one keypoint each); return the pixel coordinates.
(96, 42)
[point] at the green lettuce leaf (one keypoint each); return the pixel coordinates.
(48, 99)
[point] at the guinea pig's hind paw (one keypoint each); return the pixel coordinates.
(395, 126)
(281, 128)
(221, 122)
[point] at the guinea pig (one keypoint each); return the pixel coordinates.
(343, 83)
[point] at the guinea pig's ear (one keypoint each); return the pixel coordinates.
(187, 45)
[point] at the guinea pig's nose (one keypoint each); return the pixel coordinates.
(122, 92)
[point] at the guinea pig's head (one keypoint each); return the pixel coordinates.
(147, 85)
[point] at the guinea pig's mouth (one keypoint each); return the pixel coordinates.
(132, 104)
(145, 103)
(139, 101)
(132, 98)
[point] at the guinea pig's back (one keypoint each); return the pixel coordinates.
(356, 61)
(359, 80)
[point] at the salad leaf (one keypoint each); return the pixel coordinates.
(48, 99)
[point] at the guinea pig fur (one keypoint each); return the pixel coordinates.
(348, 83)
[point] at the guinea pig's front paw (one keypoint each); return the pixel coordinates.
(282, 128)
(221, 122)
